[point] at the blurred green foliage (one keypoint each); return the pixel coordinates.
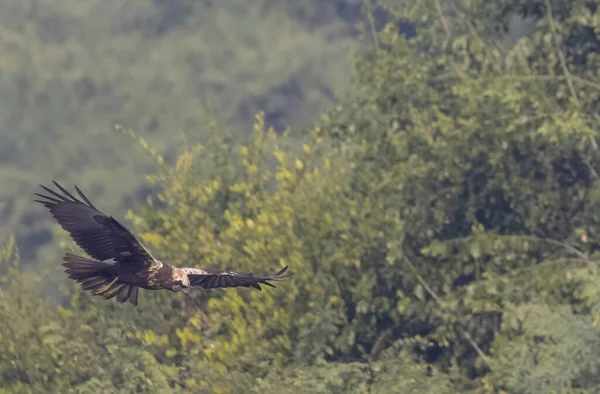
(441, 221)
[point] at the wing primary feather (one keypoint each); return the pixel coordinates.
(54, 200)
(84, 197)
(278, 275)
(282, 271)
(268, 284)
(61, 198)
(62, 189)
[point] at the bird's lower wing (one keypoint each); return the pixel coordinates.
(209, 279)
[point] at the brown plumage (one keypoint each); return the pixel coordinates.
(103, 238)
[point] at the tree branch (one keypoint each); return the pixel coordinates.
(565, 245)
(437, 299)
(561, 56)
(369, 11)
(440, 11)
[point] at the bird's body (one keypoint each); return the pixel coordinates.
(133, 267)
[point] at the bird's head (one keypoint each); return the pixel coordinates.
(181, 282)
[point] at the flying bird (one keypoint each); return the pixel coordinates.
(103, 238)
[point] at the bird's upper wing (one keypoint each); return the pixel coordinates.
(101, 236)
(212, 279)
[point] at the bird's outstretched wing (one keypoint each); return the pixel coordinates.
(211, 279)
(101, 236)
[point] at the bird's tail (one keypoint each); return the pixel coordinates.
(95, 276)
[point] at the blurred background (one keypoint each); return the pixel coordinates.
(427, 169)
(71, 70)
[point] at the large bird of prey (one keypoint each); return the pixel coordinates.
(103, 238)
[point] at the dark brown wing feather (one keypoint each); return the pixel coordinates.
(101, 236)
(211, 279)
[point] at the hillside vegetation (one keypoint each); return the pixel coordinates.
(442, 223)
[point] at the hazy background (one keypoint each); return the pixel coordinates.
(72, 69)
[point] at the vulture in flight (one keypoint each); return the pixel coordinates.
(133, 267)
